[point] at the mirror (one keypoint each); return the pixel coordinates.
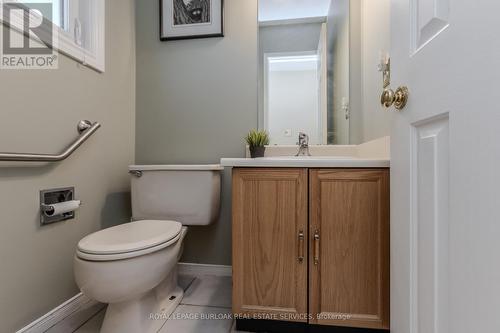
(318, 70)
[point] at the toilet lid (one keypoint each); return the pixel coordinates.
(130, 237)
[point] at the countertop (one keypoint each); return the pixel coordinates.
(306, 162)
(372, 154)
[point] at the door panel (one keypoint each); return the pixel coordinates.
(269, 212)
(429, 19)
(444, 186)
(349, 286)
(429, 226)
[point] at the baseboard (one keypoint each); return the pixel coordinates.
(80, 302)
(77, 303)
(202, 269)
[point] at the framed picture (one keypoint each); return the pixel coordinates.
(188, 19)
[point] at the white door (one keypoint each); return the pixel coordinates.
(445, 208)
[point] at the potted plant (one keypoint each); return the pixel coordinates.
(257, 141)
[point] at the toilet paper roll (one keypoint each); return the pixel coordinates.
(62, 207)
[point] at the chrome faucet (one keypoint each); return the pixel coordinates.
(303, 145)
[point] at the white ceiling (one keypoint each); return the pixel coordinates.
(273, 10)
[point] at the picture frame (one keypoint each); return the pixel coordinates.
(191, 19)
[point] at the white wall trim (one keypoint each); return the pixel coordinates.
(302, 20)
(80, 301)
(202, 269)
(58, 314)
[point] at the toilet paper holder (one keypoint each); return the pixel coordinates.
(57, 205)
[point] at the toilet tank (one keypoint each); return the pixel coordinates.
(189, 194)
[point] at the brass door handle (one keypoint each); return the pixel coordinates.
(399, 98)
(389, 97)
(316, 247)
(301, 246)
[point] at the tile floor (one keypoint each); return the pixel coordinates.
(204, 297)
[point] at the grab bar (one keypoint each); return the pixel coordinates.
(85, 128)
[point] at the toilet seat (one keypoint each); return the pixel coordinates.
(129, 240)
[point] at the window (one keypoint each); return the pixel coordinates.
(57, 8)
(80, 27)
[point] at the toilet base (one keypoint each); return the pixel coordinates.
(144, 315)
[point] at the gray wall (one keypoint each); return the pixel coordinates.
(284, 38)
(338, 71)
(39, 112)
(370, 33)
(196, 99)
(356, 125)
(376, 36)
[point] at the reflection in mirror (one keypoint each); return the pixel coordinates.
(318, 70)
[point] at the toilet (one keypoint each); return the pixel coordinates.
(133, 267)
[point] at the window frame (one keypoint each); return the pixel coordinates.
(95, 56)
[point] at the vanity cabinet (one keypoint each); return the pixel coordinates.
(349, 261)
(270, 224)
(312, 245)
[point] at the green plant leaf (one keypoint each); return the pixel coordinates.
(257, 138)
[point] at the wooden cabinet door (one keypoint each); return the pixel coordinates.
(349, 263)
(269, 214)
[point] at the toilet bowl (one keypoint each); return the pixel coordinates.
(133, 267)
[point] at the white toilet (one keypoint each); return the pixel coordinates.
(132, 267)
